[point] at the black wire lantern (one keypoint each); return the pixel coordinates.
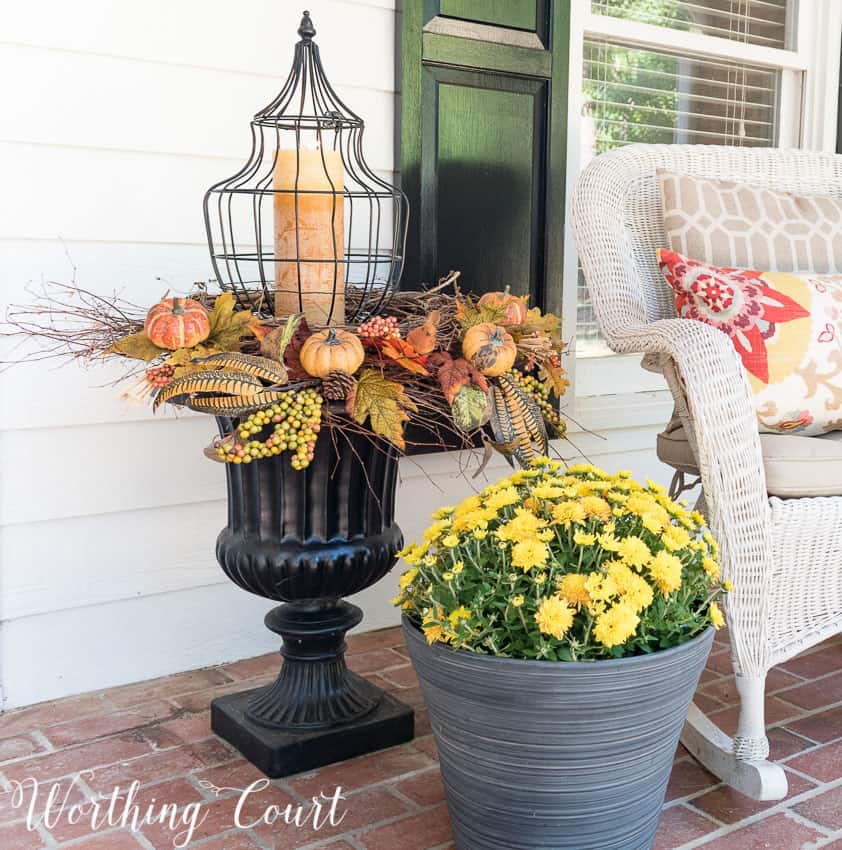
(306, 225)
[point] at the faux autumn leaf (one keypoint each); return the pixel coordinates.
(182, 359)
(138, 346)
(469, 314)
(228, 325)
(384, 403)
(470, 408)
(453, 375)
(547, 324)
(404, 354)
(423, 338)
(554, 376)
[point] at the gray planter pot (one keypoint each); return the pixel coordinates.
(557, 756)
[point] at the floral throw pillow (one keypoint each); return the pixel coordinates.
(787, 329)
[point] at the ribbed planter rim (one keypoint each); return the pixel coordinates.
(441, 650)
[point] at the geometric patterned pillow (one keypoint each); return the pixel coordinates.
(787, 329)
(738, 224)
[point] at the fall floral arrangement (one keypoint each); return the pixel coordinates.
(563, 564)
(436, 356)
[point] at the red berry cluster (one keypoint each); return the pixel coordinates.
(160, 376)
(380, 327)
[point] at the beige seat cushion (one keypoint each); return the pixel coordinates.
(795, 466)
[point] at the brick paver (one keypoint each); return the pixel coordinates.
(158, 734)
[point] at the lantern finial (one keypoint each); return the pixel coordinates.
(306, 30)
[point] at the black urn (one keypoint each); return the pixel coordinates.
(307, 538)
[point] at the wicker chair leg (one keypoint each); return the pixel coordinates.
(753, 776)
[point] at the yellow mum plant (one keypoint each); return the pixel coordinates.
(563, 564)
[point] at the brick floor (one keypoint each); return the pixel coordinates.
(158, 733)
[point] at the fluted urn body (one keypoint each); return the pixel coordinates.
(307, 538)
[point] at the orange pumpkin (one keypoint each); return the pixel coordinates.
(331, 350)
(513, 306)
(490, 348)
(177, 323)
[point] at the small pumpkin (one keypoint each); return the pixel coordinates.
(513, 307)
(177, 323)
(331, 350)
(490, 348)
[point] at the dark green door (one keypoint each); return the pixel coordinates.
(483, 114)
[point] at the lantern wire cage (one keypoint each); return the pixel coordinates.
(306, 225)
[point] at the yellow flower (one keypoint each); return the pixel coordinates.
(565, 513)
(609, 542)
(616, 625)
(547, 491)
(529, 553)
(716, 616)
(458, 567)
(710, 567)
(434, 633)
(633, 551)
(436, 530)
(727, 585)
(665, 569)
(633, 588)
(554, 617)
(523, 525)
(601, 587)
(444, 512)
(503, 498)
(652, 522)
(541, 578)
(583, 539)
(460, 613)
(447, 576)
(480, 533)
(675, 538)
(518, 600)
(572, 588)
(596, 506)
(408, 577)
(546, 535)
(450, 541)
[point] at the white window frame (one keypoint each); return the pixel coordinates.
(809, 90)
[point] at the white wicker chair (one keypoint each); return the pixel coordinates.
(784, 556)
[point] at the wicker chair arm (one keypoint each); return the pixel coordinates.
(719, 398)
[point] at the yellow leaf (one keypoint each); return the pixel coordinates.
(223, 308)
(554, 376)
(384, 403)
(546, 324)
(469, 314)
(136, 345)
(229, 325)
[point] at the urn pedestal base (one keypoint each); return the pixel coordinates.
(307, 538)
(279, 752)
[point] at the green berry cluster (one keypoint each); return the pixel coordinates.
(295, 423)
(541, 392)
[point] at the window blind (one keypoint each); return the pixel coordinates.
(632, 94)
(761, 22)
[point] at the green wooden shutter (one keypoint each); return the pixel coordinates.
(483, 142)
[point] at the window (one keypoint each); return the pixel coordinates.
(674, 71)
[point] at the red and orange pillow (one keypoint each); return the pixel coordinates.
(787, 329)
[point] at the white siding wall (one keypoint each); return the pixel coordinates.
(114, 119)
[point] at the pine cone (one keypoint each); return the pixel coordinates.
(337, 385)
